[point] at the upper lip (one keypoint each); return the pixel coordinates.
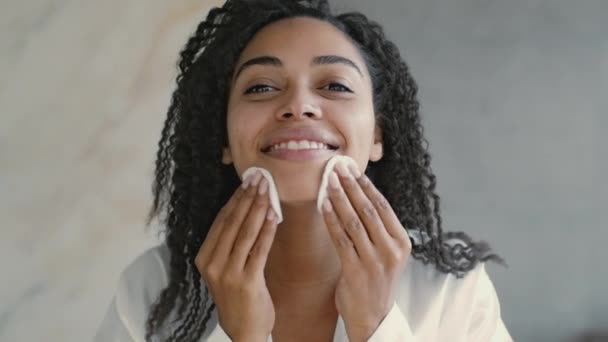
(300, 133)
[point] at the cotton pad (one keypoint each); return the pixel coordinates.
(329, 167)
(416, 236)
(272, 189)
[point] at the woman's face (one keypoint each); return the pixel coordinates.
(300, 79)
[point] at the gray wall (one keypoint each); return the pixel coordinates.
(514, 96)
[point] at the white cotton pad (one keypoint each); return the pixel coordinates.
(331, 163)
(272, 189)
(417, 236)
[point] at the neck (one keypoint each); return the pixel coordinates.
(302, 258)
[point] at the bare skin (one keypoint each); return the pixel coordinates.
(301, 275)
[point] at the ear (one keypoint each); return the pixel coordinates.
(377, 150)
(226, 156)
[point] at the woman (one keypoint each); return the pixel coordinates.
(373, 265)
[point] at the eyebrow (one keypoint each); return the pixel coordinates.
(319, 60)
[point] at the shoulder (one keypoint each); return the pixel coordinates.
(138, 288)
(424, 290)
(438, 303)
(148, 271)
(140, 284)
(426, 281)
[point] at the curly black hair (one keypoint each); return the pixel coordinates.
(191, 184)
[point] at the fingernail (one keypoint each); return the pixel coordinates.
(270, 215)
(327, 205)
(256, 178)
(263, 187)
(247, 182)
(334, 182)
(354, 170)
(342, 170)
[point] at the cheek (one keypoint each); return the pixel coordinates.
(243, 128)
(357, 126)
(354, 120)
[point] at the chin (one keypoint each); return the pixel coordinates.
(303, 187)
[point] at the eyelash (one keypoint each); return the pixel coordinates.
(258, 86)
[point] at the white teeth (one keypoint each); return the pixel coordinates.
(292, 145)
(304, 144)
(301, 145)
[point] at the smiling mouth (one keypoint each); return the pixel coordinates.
(329, 147)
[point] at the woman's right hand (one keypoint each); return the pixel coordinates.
(232, 259)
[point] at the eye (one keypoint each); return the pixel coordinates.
(338, 87)
(259, 88)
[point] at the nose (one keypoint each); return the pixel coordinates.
(299, 104)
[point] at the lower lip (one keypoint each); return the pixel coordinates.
(299, 155)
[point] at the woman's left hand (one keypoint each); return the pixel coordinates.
(373, 248)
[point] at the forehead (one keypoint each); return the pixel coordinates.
(301, 38)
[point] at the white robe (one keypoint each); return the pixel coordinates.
(429, 306)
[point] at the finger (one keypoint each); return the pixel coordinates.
(210, 241)
(234, 222)
(258, 255)
(391, 222)
(250, 229)
(344, 245)
(349, 219)
(364, 208)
